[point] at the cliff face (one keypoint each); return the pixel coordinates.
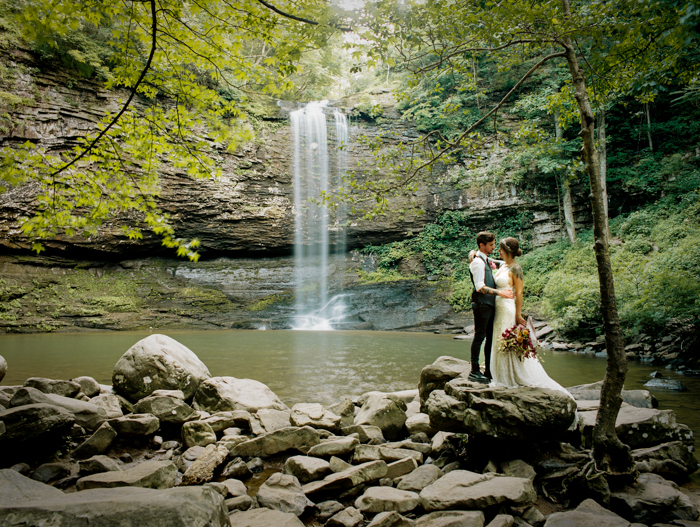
(248, 211)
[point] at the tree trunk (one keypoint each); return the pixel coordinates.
(566, 191)
(609, 453)
(651, 145)
(602, 140)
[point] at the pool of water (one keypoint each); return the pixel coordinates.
(309, 366)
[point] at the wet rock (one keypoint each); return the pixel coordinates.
(270, 420)
(457, 519)
(335, 447)
(202, 469)
(219, 394)
(34, 431)
(238, 469)
(439, 373)
(383, 499)
(88, 386)
(329, 508)
(51, 386)
(149, 474)
(264, 517)
(51, 472)
(3, 367)
(45, 505)
(347, 479)
(282, 492)
(97, 443)
(349, 517)
(384, 411)
(461, 489)
(666, 384)
(315, 416)
(390, 519)
(110, 404)
(419, 478)
(97, 464)
(587, 514)
(346, 410)
(166, 409)
(306, 468)
(364, 453)
(401, 467)
(158, 362)
(418, 423)
(366, 433)
(135, 424)
(87, 415)
(292, 438)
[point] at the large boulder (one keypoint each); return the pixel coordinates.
(385, 499)
(672, 460)
(436, 375)
(282, 492)
(3, 367)
(221, 394)
(135, 424)
(166, 409)
(87, 415)
(110, 404)
(89, 386)
(26, 502)
(158, 362)
(591, 392)
(306, 468)
(54, 386)
(512, 415)
(335, 447)
(291, 438)
(33, 431)
(347, 479)
(364, 453)
(315, 416)
(149, 474)
(420, 478)
(385, 411)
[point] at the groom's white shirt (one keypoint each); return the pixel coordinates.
(478, 269)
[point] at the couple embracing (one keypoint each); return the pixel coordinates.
(497, 301)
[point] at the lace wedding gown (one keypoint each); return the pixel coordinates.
(506, 369)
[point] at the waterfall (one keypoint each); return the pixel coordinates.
(316, 232)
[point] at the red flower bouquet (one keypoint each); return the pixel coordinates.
(517, 340)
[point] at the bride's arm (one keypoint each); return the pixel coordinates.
(516, 275)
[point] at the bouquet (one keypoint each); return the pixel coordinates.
(518, 340)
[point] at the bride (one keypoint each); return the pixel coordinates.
(506, 369)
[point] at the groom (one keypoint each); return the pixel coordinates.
(484, 303)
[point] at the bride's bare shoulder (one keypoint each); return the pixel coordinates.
(516, 271)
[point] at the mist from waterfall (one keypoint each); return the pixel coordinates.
(317, 232)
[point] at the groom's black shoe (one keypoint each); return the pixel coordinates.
(478, 377)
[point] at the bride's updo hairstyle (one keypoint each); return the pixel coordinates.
(511, 246)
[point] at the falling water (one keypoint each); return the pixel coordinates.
(313, 222)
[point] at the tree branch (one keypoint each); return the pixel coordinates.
(299, 19)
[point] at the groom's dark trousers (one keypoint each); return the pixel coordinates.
(483, 331)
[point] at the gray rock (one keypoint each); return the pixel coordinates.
(51, 472)
(188, 457)
(97, 443)
(346, 410)
(335, 447)
(502, 520)
(166, 409)
(587, 514)
(158, 362)
(86, 414)
(292, 438)
(407, 444)
(269, 419)
(390, 519)
(3, 367)
(383, 411)
(238, 469)
(220, 421)
(149, 474)
(202, 469)
(315, 416)
(4, 400)
(110, 404)
(176, 394)
(56, 387)
(461, 489)
(22, 468)
(419, 422)
(264, 517)
(673, 385)
(440, 444)
(338, 465)
(349, 517)
(169, 445)
(347, 479)
(235, 488)
(439, 373)
(365, 433)
(220, 394)
(591, 392)
(364, 453)
(282, 492)
(672, 460)
(329, 508)
(420, 478)
(232, 441)
(383, 499)
(44, 505)
(98, 464)
(35, 430)
(135, 424)
(88, 386)
(306, 468)
(456, 519)
(240, 503)
(518, 469)
(401, 467)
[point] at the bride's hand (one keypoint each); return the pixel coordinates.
(506, 293)
(520, 320)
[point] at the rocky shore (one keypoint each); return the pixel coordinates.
(168, 444)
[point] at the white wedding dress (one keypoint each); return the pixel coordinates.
(506, 369)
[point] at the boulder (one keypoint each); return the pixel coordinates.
(44, 505)
(265, 518)
(384, 411)
(591, 392)
(220, 421)
(282, 492)
(418, 423)
(420, 478)
(56, 387)
(220, 394)
(334, 447)
(110, 404)
(292, 438)
(166, 409)
(149, 474)
(135, 424)
(518, 469)
(88, 386)
(158, 362)
(197, 433)
(461, 489)
(672, 460)
(439, 373)
(440, 443)
(347, 479)
(97, 443)
(455, 519)
(202, 469)
(235, 488)
(98, 464)
(306, 468)
(51, 472)
(365, 433)
(315, 416)
(407, 444)
(390, 519)
(3, 367)
(240, 503)
(270, 420)
(364, 453)
(384, 499)
(33, 431)
(587, 514)
(86, 414)
(512, 415)
(346, 410)
(401, 467)
(175, 394)
(338, 465)
(349, 517)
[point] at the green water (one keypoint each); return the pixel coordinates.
(302, 366)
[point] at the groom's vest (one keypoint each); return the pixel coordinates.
(481, 298)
